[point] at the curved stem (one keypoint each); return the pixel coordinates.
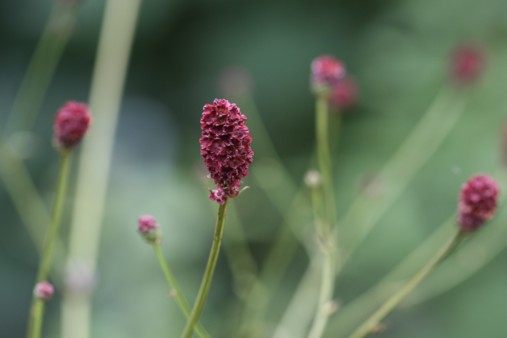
(176, 291)
(208, 273)
(37, 309)
(394, 300)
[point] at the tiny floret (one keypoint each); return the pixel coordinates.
(467, 64)
(149, 229)
(71, 124)
(225, 147)
(43, 290)
(326, 71)
(477, 202)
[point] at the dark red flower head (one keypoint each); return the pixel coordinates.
(343, 94)
(467, 64)
(477, 202)
(43, 290)
(225, 147)
(71, 124)
(326, 71)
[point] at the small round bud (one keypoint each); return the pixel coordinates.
(149, 229)
(467, 64)
(343, 94)
(312, 179)
(326, 71)
(43, 290)
(477, 202)
(71, 124)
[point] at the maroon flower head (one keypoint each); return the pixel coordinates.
(225, 147)
(467, 64)
(326, 71)
(148, 228)
(71, 124)
(477, 202)
(343, 94)
(43, 290)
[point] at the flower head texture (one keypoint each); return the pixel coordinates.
(148, 228)
(326, 71)
(71, 124)
(477, 202)
(467, 64)
(43, 290)
(343, 94)
(225, 147)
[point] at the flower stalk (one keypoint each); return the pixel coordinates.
(208, 273)
(37, 307)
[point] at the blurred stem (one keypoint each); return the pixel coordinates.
(37, 309)
(176, 291)
(395, 299)
(115, 41)
(328, 253)
(41, 68)
(324, 157)
(202, 295)
(404, 164)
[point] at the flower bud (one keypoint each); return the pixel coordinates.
(326, 71)
(149, 229)
(43, 290)
(477, 202)
(225, 147)
(467, 64)
(71, 124)
(312, 179)
(343, 94)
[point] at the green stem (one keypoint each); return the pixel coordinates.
(324, 157)
(208, 273)
(176, 291)
(41, 68)
(37, 309)
(394, 300)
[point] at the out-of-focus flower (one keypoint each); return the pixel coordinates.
(225, 147)
(43, 290)
(477, 202)
(467, 64)
(312, 179)
(71, 124)
(343, 94)
(326, 71)
(149, 229)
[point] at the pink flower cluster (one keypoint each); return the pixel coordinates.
(477, 202)
(225, 147)
(44, 290)
(326, 71)
(71, 124)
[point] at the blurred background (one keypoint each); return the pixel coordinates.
(185, 54)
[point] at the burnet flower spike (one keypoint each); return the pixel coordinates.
(477, 202)
(43, 291)
(343, 94)
(227, 153)
(467, 64)
(69, 127)
(149, 229)
(326, 72)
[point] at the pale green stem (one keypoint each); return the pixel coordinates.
(37, 309)
(202, 295)
(366, 328)
(176, 291)
(324, 157)
(108, 81)
(41, 68)
(404, 164)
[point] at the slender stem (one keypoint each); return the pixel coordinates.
(37, 309)
(208, 273)
(324, 157)
(110, 70)
(176, 291)
(394, 300)
(328, 254)
(41, 68)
